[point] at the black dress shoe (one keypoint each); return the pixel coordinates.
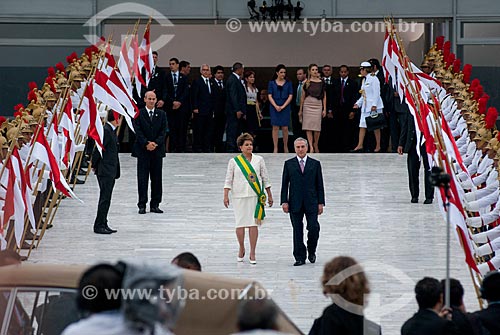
(414, 200)
(299, 263)
(30, 236)
(156, 210)
(101, 230)
(312, 258)
(82, 172)
(111, 230)
(428, 201)
(142, 210)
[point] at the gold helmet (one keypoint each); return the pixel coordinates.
(61, 80)
(3, 143)
(13, 133)
(447, 77)
(492, 144)
(48, 95)
(483, 135)
(74, 74)
(85, 63)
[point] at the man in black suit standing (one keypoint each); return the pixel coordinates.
(302, 192)
(297, 93)
(157, 84)
(149, 148)
(236, 102)
(430, 318)
(408, 144)
(327, 141)
(219, 109)
(176, 106)
(345, 95)
(203, 91)
(107, 169)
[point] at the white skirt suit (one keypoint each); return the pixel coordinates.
(370, 96)
(243, 196)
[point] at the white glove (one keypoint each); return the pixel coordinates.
(474, 222)
(79, 147)
(471, 196)
(480, 237)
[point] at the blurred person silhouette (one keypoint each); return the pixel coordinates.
(430, 318)
(345, 315)
(187, 260)
(257, 316)
(458, 312)
(490, 291)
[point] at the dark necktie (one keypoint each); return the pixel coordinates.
(175, 84)
(208, 85)
(220, 85)
(151, 113)
(342, 91)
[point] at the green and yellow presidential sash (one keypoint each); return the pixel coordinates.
(250, 175)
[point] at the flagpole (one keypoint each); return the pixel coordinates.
(442, 151)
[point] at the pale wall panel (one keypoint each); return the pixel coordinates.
(381, 8)
(213, 44)
(52, 8)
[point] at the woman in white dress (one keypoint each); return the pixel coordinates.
(369, 102)
(248, 206)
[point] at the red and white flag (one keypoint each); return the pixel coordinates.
(43, 153)
(90, 117)
(68, 127)
(103, 92)
(146, 55)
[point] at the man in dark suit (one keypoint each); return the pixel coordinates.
(327, 141)
(408, 144)
(302, 192)
(219, 109)
(345, 93)
(490, 291)
(430, 318)
(149, 148)
(176, 106)
(236, 102)
(297, 94)
(203, 92)
(107, 169)
(157, 84)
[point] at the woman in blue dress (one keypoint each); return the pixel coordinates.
(280, 93)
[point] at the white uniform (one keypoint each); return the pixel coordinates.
(370, 97)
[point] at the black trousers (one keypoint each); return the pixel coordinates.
(219, 128)
(233, 130)
(202, 132)
(177, 124)
(149, 168)
(413, 163)
(106, 185)
(299, 249)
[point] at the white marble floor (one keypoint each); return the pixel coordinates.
(368, 216)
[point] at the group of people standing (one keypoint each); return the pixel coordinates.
(214, 104)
